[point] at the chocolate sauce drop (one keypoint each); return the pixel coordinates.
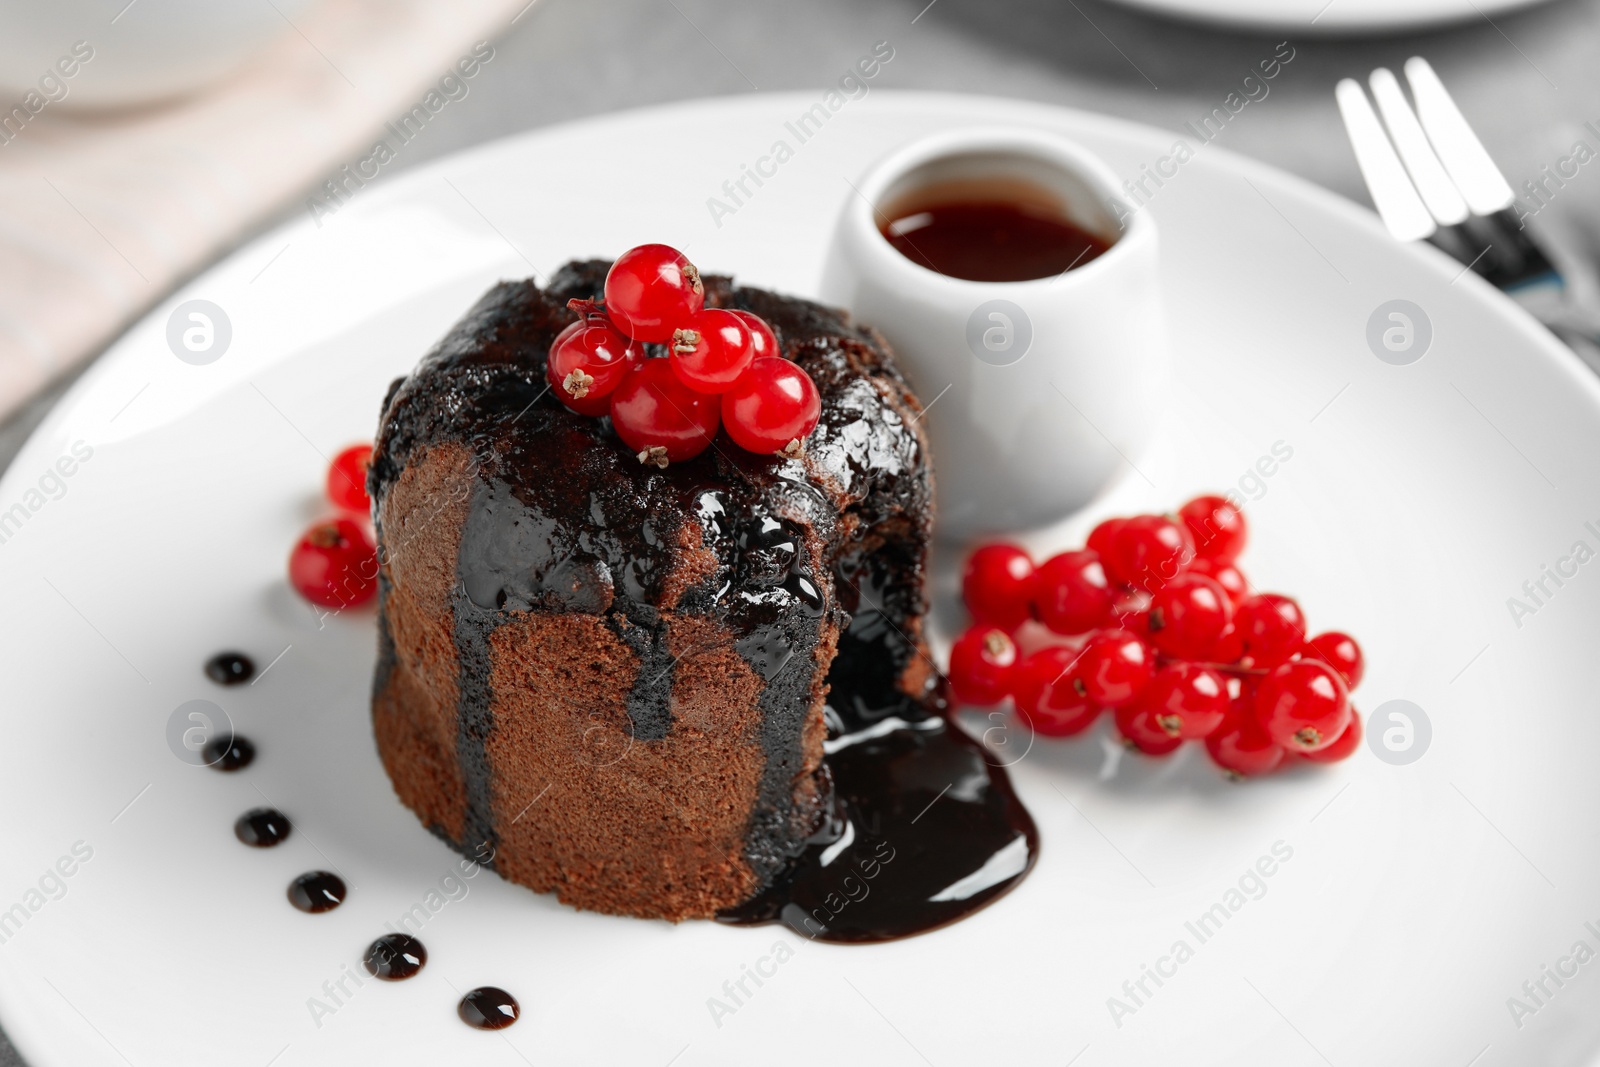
(262, 827)
(394, 957)
(230, 753)
(488, 1008)
(317, 891)
(230, 668)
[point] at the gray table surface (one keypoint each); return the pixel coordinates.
(1528, 82)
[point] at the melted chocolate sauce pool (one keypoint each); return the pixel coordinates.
(926, 830)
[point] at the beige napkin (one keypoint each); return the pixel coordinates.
(105, 213)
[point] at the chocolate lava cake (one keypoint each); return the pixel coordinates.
(611, 677)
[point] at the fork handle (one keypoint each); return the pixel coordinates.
(1499, 249)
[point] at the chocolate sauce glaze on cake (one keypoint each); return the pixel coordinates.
(686, 693)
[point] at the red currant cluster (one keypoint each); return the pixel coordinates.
(335, 562)
(1165, 632)
(722, 367)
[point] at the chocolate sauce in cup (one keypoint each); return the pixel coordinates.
(1017, 289)
(989, 232)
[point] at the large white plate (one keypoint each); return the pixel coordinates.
(1417, 499)
(1332, 16)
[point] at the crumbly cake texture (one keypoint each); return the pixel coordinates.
(612, 677)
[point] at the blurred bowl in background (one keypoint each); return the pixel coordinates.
(137, 53)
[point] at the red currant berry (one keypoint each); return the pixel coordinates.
(659, 418)
(998, 585)
(1187, 616)
(335, 564)
(1229, 647)
(1114, 666)
(1100, 540)
(1217, 527)
(347, 479)
(1128, 612)
(1073, 595)
(763, 342)
(1340, 652)
(710, 350)
(1227, 575)
(1272, 626)
(1241, 747)
(1303, 705)
(1138, 727)
(1342, 748)
(1150, 550)
(590, 404)
(1050, 698)
(773, 407)
(1187, 701)
(982, 661)
(650, 290)
(588, 360)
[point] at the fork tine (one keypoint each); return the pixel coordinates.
(1438, 193)
(1463, 155)
(1396, 198)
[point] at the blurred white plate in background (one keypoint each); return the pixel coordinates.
(1332, 16)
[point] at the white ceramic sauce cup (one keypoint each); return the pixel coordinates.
(1039, 392)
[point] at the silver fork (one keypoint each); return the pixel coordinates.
(1431, 179)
